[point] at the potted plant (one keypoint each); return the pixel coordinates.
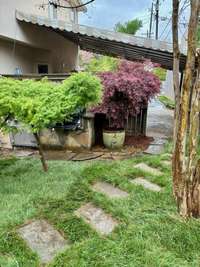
(125, 92)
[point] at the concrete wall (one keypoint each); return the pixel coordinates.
(24, 45)
(79, 139)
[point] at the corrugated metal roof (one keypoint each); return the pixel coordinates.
(109, 42)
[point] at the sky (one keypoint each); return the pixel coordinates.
(106, 13)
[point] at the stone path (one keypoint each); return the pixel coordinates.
(156, 147)
(103, 223)
(47, 242)
(109, 190)
(43, 239)
(144, 167)
(23, 153)
(146, 184)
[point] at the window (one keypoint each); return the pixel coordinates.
(43, 68)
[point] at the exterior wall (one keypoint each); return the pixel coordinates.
(14, 55)
(80, 139)
(24, 45)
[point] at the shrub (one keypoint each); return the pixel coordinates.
(102, 63)
(40, 104)
(160, 73)
(84, 88)
(169, 103)
(126, 91)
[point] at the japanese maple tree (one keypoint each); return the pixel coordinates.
(126, 91)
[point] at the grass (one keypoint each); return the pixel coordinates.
(167, 101)
(150, 232)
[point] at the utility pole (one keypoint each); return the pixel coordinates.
(157, 18)
(151, 22)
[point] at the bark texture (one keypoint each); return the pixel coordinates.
(42, 157)
(176, 61)
(186, 164)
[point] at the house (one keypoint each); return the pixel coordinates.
(28, 49)
(38, 37)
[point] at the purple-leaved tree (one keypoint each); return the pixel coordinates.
(126, 91)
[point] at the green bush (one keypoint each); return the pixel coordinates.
(85, 89)
(160, 73)
(39, 104)
(101, 64)
(167, 101)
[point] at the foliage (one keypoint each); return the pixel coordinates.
(102, 63)
(126, 91)
(130, 27)
(39, 104)
(161, 73)
(169, 103)
(145, 218)
(84, 88)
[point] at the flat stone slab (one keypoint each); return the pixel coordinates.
(146, 184)
(146, 168)
(154, 149)
(87, 156)
(43, 239)
(102, 222)
(23, 153)
(159, 141)
(109, 190)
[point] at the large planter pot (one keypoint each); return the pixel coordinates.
(113, 139)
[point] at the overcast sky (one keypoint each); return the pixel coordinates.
(106, 13)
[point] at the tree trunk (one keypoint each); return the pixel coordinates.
(176, 65)
(42, 158)
(186, 169)
(176, 61)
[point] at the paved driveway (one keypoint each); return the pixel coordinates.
(159, 120)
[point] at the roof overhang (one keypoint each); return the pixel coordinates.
(110, 43)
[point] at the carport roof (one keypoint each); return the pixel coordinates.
(109, 42)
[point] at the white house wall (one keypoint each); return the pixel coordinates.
(62, 55)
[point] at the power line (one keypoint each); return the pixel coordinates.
(72, 7)
(165, 27)
(151, 21)
(182, 9)
(157, 18)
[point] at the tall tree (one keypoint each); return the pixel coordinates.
(130, 27)
(186, 162)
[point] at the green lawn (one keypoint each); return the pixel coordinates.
(150, 232)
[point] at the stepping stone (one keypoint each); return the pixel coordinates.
(43, 239)
(146, 168)
(146, 184)
(159, 141)
(103, 223)
(86, 156)
(109, 190)
(154, 149)
(167, 163)
(23, 153)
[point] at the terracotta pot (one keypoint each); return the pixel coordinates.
(113, 138)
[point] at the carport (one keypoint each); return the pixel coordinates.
(109, 42)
